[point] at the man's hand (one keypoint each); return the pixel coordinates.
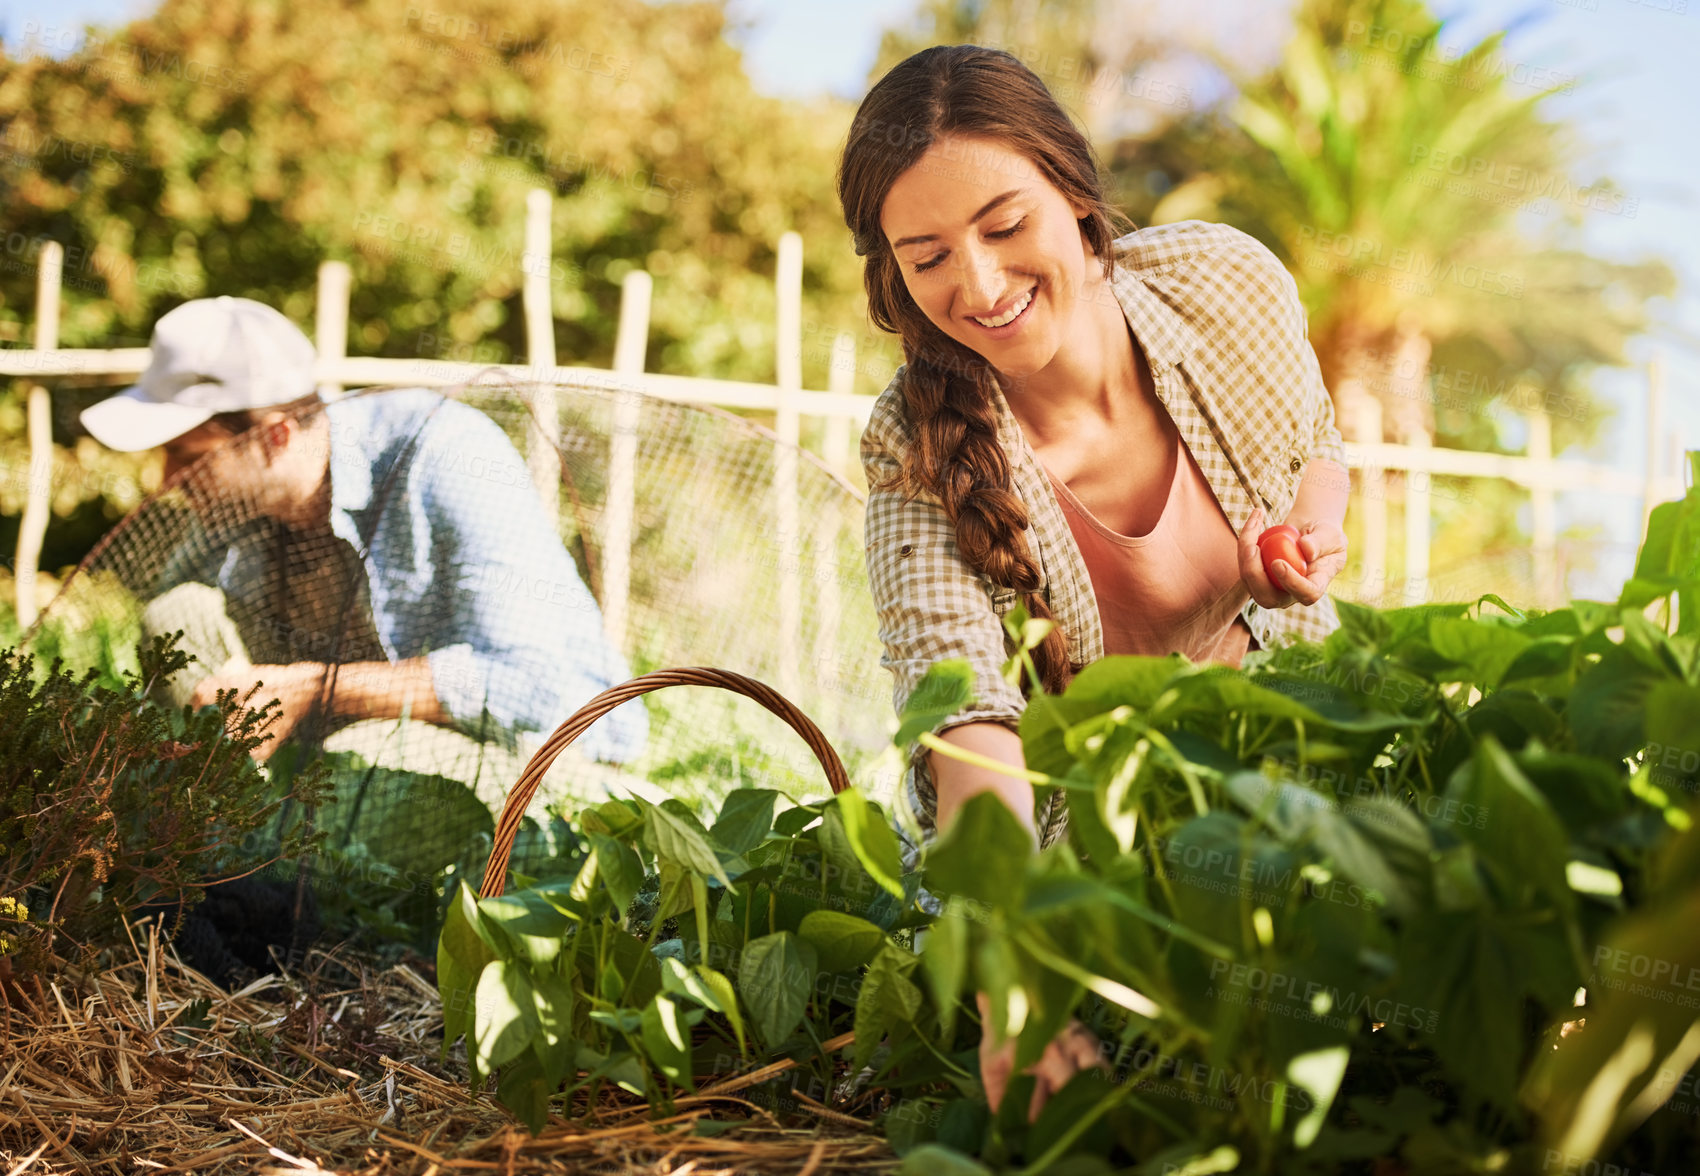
(295, 686)
(1074, 1049)
(1323, 544)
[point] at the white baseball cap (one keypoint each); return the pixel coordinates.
(210, 356)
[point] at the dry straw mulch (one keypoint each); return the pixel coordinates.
(146, 1066)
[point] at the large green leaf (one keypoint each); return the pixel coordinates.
(775, 977)
(1101, 687)
(1522, 841)
(673, 838)
(1608, 705)
(888, 999)
(1643, 1020)
(871, 839)
(667, 1039)
(944, 958)
(619, 867)
(1472, 971)
(524, 1088)
(982, 855)
(1672, 729)
(945, 690)
(462, 952)
(554, 1043)
(932, 1159)
(506, 1021)
(1484, 649)
(745, 817)
(1220, 689)
(841, 941)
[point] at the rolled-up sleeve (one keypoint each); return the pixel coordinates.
(931, 605)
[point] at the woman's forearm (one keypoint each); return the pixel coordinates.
(957, 781)
(1322, 494)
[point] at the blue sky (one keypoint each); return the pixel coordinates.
(1637, 94)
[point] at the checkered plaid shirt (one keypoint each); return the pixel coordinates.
(1220, 321)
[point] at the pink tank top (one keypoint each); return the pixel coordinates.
(1175, 589)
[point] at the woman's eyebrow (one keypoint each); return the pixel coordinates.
(988, 207)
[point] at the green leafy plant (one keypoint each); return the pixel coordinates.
(108, 801)
(1340, 905)
(682, 949)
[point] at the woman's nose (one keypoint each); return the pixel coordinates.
(982, 284)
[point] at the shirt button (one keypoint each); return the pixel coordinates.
(906, 550)
(1298, 464)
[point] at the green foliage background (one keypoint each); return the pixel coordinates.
(230, 148)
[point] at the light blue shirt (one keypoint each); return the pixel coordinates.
(465, 568)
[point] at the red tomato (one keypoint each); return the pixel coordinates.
(1281, 542)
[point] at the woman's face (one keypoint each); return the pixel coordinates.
(991, 252)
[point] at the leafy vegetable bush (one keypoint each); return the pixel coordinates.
(1336, 907)
(108, 801)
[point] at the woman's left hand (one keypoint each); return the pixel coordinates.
(1322, 544)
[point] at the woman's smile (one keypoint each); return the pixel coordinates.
(1009, 317)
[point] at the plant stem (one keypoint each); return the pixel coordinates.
(933, 742)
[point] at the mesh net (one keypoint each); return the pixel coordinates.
(529, 547)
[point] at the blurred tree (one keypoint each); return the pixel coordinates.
(228, 148)
(1430, 212)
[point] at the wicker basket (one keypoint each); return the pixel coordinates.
(507, 828)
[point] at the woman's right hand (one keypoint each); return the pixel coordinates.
(1075, 1049)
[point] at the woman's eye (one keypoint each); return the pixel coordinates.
(1011, 231)
(924, 266)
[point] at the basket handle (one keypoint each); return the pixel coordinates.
(507, 827)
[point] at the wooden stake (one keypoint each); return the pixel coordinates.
(32, 528)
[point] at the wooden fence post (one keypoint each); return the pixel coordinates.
(789, 298)
(32, 528)
(618, 515)
(543, 432)
(1372, 501)
(330, 321)
(1418, 498)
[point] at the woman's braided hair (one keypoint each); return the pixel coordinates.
(948, 389)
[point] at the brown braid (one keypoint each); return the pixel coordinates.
(948, 389)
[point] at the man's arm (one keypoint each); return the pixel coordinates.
(361, 690)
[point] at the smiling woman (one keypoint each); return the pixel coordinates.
(1094, 427)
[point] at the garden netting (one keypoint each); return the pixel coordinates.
(534, 545)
